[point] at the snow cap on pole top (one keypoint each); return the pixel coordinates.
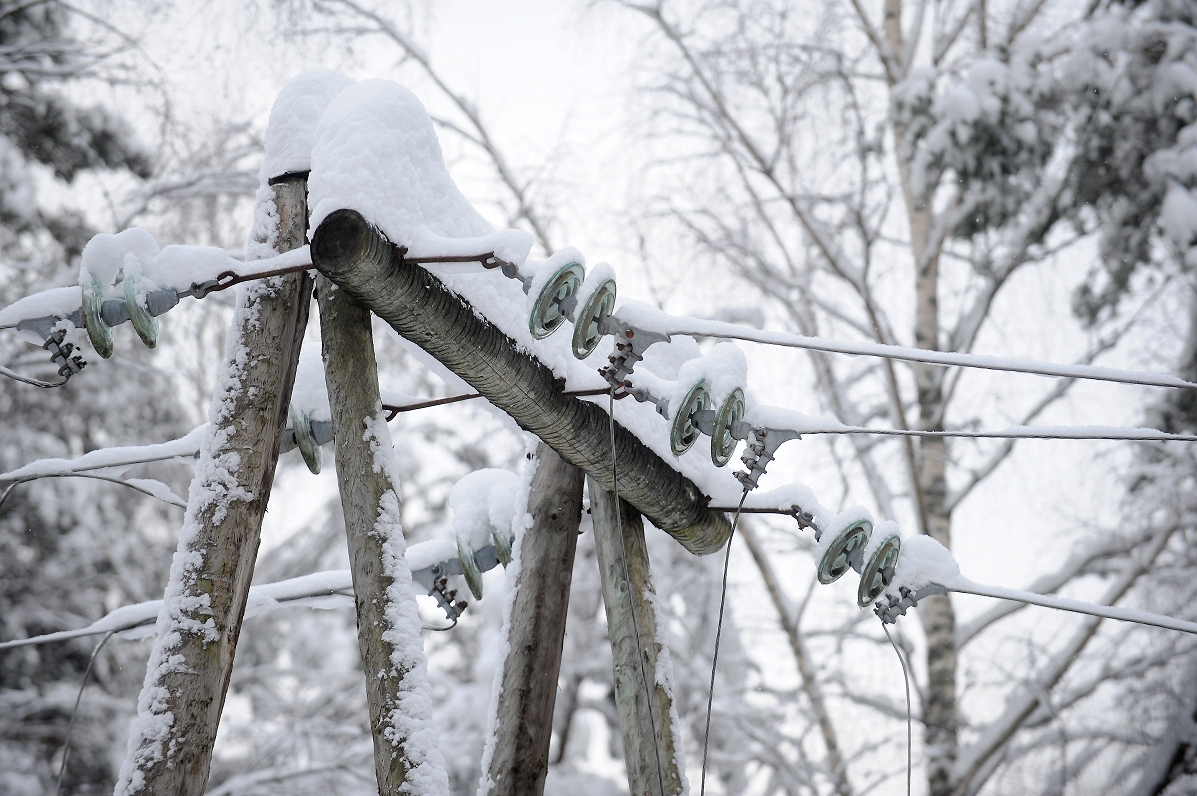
(376, 152)
(293, 119)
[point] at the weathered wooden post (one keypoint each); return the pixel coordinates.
(652, 744)
(388, 625)
(519, 760)
(170, 746)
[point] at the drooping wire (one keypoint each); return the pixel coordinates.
(706, 738)
(648, 694)
(12, 374)
(909, 722)
(66, 745)
(93, 476)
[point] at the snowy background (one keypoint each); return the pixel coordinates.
(1053, 142)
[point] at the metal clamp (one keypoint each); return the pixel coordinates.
(60, 354)
(630, 344)
(762, 444)
(889, 610)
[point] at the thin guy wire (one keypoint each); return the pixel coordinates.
(706, 738)
(909, 723)
(627, 578)
(66, 745)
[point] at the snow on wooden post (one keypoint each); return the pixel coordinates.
(655, 764)
(356, 256)
(519, 755)
(388, 625)
(170, 745)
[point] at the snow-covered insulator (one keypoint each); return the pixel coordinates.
(597, 300)
(879, 569)
(504, 542)
(469, 566)
(143, 320)
(305, 438)
(547, 311)
(98, 331)
(846, 549)
(684, 431)
(724, 434)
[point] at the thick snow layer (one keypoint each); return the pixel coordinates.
(105, 255)
(408, 725)
(723, 369)
(835, 524)
(480, 501)
(376, 152)
(434, 551)
(310, 394)
(58, 302)
(880, 534)
(293, 119)
(922, 561)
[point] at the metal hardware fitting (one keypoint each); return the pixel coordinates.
(630, 344)
(762, 444)
(889, 610)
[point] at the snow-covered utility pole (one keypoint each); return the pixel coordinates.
(170, 745)
(354, 255)
(519, 756)
(643, 676)
(388, 625)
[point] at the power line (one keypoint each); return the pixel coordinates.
(1021, 432)
(704, 328)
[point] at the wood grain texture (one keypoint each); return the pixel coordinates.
(419, 307)
(652, 763)
(520, 760)
(351, 373)
(195, 684)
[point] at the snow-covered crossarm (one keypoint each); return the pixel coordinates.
(355, 256)
(926, 567)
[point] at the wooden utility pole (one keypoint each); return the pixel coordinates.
(647, 718)
(519, 761)
(395, 675)
(170, 749)
(354, 255)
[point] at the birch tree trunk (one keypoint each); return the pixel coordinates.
(178, 711)
(519, 761)
(388, 624)
(930, 487)
(652, 741)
